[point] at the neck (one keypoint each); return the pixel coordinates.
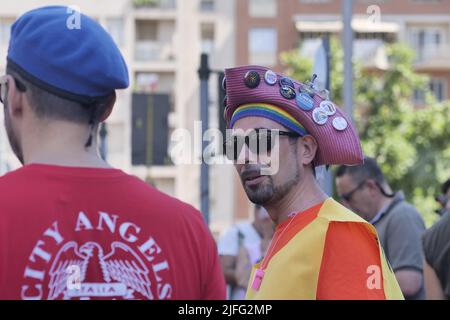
(301, 197)
(61, 143)
(384, 202)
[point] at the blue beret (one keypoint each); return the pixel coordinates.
(77, 61)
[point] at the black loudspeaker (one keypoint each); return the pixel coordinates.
(150, 132)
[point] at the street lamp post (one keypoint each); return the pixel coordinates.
(204, 72)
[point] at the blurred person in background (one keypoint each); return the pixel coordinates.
(365, 190)
(240, 247)
(436, 246)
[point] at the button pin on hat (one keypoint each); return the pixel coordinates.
(270, 77)
(319, 116)
(252, 79)
(340, 124)
(329, 107)
(285, 81)
(287, 92)
(304, 101)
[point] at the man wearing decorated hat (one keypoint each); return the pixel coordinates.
(71, 226)
(320, 249)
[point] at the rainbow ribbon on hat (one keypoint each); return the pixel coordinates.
(268, 111)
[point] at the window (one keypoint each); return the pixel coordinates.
(437, 88)
(147, 82)
(384, 36)
(207, 38)
(207, 5)
(154, 40)
(426, 41)
(263, 8)
(146, 30)
(115, 27)
(263, 46)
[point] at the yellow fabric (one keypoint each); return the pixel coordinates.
(293, 272)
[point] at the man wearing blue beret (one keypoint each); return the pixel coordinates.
(71, 226)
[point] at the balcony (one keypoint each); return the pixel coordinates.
(433, 58)
(155, 4)
(155, 9)
(153, 51)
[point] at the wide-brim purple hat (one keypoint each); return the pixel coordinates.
(253, 90)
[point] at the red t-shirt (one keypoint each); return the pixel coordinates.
(88, 233)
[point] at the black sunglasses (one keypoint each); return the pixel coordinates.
(348, 196)
(258, 141)
(4, 87)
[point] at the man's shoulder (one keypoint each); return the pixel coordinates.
(137, 191)
(439, 230)
(10, 179)
(345, 225)
(404, 211)
(165, 202)
(12, 175)
(333, 211)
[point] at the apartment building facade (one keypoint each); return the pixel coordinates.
(269, 27)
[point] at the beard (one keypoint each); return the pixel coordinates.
(12, 137)
(268, 192)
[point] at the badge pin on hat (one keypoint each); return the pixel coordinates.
(285, 81)
(329, 107)
(252, 79)
(304, 101)
(340, 124)
(320, 116)
(287, 92)
(270, 77)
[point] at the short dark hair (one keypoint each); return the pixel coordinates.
(48, 105)
(446, 186)
(368, 170)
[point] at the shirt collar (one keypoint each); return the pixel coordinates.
(378, 215)
(399, 195)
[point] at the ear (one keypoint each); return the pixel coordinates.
(308, 149)
(371, 184)
(14, 99)
(109, 108)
